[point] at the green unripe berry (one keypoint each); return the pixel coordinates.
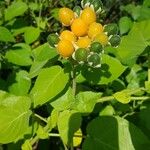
(77, 10)
(97, 5)
(96, 47)
(81, 54)
(53, 39)
(111, 29)
(115, 40)
(94, 60)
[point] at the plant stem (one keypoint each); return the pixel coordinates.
(41, 118)
(109, 98)
(73, 74)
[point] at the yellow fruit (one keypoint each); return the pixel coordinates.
(102, 38)
(88, 15)
(68, 35)
(94, 29)
(66, 16)
(83, 42)
(65, 48)
(79, 27)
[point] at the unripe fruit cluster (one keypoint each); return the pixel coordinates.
(84, 38)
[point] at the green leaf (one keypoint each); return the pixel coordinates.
(22, 85)
(14, 117)
(15, 9)
(144, 13)
(44, 52)
(5, 35)
(36, 68)
(107, 111)
(64, 102)
(41, 133)
(49, 83)
(122, 96)
(146, 3)
(114, 133)
(85, 101)
(31, 34)
(147, 86)
(107, 73)
(26, 145)
(125, 24)
(20, 54)
(144, 121)
(52, 120)
(134, 43)
(42, 55)
(68, 123)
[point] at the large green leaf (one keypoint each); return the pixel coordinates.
(5, 35)
(144, 121)
(20, 54)
(14, 117)
(68, 123)
(31, 34)
(134, 43)
(22, 84)
(49, 83)
(15, 9)
(106, 74)
(114, 133)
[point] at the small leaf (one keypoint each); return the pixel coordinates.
(68, 123)
(85, 101)
(50, 82)
(5, 35)
(64, 102)
(15, 9)
(122, 97)
(52, 120)
(147, 86)
(77, 139)
(22, 85)
(107, 111)
(14, 117)
(20, 54)
(31, 34)
(41, 133)
(125, 24)
(26, 145)
(44, 52)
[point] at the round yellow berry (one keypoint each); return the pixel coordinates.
(84, 42)
(65, 48)
(94, 29)
(102, 38)
(66, 16)
(68, 35)
(79, 27)
(88, 15)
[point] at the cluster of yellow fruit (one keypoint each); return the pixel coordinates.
(83, 31)
(84, 38)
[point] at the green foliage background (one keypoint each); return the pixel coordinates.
(37, 107)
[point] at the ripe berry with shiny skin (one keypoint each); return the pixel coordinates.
(65, 48)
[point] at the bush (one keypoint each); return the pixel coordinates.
(85, 88)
